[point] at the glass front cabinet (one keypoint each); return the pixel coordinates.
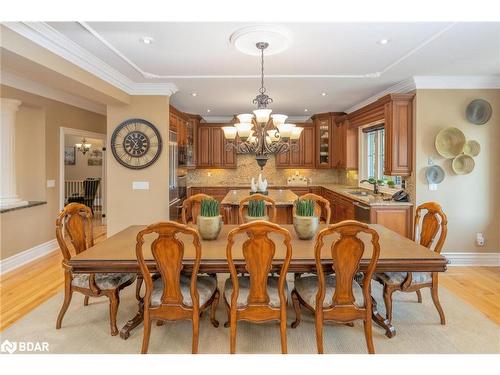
(322, 123)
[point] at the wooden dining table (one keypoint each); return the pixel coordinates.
(117, 254)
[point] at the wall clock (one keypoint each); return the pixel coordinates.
(136, 143)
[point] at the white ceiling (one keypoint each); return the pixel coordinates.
(343, 60)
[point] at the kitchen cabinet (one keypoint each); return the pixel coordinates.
(396, 218)
(211, 148)
(342, 208)
(303, 157)
(323, 130)
(345, 144)
(193, 121)
(185, 126)
(395, 111)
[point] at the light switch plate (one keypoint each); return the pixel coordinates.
(51, 183)
(140, 185)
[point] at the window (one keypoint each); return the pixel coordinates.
(371, 155)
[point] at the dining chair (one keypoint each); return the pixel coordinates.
(76, 219)
(425, 230)
(257, 297)
(338, 297)
(321, 209)
(257, 197)
(191, 208)
(174, 295)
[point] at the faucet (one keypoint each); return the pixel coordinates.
(374, 183)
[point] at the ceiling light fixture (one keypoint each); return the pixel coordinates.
(383, 41)
(208, 110)
(323, 94)
(83, 146)
(256, 132)
(306, 110)
(147, 40)
(193, 94)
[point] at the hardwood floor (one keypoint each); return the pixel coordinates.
(29, 286)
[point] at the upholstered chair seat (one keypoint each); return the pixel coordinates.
(244, 284)
(104, 281)
(206, 287)
(307, 287)
(397, 278)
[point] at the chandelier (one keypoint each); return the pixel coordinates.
(83, 147)
(261, 133)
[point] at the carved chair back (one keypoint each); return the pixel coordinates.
(426, 227)
(322, 208)
(191, 207)
(259, 251)
(76, 218)
(168, 253)
(257, 197)
(347, 250)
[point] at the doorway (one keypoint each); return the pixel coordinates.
(82, 171)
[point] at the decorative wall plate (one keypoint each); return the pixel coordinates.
(434, 174)
(463, 164)
(472, 148)
(478, 112)
(450, 142)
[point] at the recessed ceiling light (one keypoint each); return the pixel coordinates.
(147, 40)
(323, 94)
(208, 110)
(306, 110)
(383, 41)
(193, 94)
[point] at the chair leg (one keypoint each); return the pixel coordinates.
(68, 293)
(319, 332)
(296, 307)
(213, 308)
(196, 332)
(435, 298)
(419, 296)
(147, 333)
(368, 335)
(114, 302)
(232, 340)
(388, 302)
(86, 301)
(228, 310)
(284, 349)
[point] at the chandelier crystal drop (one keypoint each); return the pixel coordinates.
(261, 133)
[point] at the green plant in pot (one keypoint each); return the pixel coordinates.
(209, 220)
(306, 224)
(256, 211)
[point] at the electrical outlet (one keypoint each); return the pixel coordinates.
(430, 161)
(433, 187)
(480, 239)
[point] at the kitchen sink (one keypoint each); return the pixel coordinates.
(360, 193)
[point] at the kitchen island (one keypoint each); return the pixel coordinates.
(284, 199)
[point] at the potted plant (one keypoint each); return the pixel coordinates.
(256, 211)
(306, 224)
(209, 220)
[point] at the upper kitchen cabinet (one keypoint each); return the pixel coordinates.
(191, 136)
(303, 156)
(345, 144)
(323, 130)
(184, 125)
(211, 148)
(395, 111)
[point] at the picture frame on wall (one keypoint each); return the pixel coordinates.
(95, 158)
(69, 155)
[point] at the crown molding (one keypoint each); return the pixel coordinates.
(457, 82)
(399, 88)
(49, 38)
(36, 88)
(218, 119)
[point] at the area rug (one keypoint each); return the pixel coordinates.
(86, 330)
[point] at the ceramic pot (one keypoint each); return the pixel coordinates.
(255, 218)
(306, 227)
(209, 226)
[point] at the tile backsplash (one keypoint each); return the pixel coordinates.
(247, 168)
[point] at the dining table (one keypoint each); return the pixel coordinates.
(117, 254)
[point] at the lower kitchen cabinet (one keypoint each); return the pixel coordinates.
(396, 218)
(342, 208)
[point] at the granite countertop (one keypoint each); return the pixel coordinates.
(282, 197)
(343, 190)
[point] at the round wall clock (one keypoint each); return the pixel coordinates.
(136, 143)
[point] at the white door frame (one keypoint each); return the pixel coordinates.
(87, 134)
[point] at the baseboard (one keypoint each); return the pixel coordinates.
(15, 261)
(473, 259)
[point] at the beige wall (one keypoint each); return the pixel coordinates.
(471, 202)
(82, 170)
(15, 236)
(126, 206)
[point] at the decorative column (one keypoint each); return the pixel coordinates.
(8, 196)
